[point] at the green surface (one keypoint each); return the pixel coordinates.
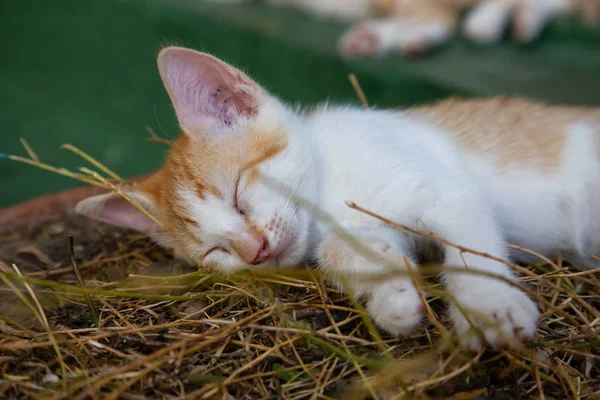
(83, 72)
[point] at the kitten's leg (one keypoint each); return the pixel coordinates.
(503, 313)
(486, 22)
(392, 299)
(380, 37)
(532, 16)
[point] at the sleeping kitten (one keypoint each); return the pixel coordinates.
(244, 184)
(415, 27)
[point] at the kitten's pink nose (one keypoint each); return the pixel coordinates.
(253, 248)
(264, 253)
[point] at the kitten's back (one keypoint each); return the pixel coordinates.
(511, 130)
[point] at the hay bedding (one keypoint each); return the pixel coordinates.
(178, 333)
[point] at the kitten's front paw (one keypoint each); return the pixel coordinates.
(504, 315)
(360, 41)
(396, 307)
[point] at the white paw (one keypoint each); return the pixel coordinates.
(504, 315)
(396, 307)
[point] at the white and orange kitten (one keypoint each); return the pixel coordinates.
(417, 26)
(245, 184)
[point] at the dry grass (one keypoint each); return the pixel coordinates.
(164, 332)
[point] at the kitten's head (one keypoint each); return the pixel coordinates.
(227, 196)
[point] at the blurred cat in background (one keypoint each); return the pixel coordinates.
(415, 27)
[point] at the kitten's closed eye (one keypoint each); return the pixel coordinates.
(236, 204)
(214, 249)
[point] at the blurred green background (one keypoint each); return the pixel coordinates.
(84, 72)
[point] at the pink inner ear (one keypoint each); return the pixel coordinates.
(125, 214)
(206, 92)
(114, 209)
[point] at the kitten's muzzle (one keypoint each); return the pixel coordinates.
(253, 248)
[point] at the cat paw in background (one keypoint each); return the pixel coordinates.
(380, 38)
(414, 28)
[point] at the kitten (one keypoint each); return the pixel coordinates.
(245, 182)
(415, 27)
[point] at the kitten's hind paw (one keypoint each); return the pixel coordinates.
(504, 317)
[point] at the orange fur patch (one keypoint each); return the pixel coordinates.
(253, 175)
(513, 130)
(264, 148)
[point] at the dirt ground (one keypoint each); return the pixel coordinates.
(156, 328)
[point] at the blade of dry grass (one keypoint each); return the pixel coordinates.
(92, 161)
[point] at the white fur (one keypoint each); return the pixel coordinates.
(411, 172)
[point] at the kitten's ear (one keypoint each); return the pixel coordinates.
(116, 210)
(207, 93)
